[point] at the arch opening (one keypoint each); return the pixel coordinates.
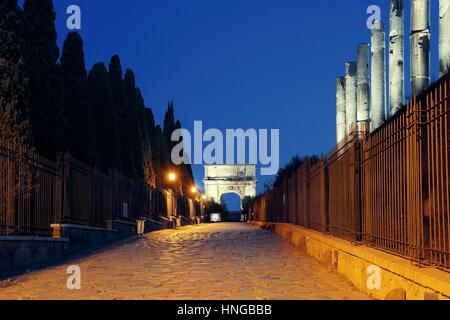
(232, 200)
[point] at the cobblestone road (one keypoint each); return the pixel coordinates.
(220, 262)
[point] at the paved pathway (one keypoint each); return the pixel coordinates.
(220, 262)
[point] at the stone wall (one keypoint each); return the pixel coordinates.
(19, 252)
(81, 237)
(399, 278)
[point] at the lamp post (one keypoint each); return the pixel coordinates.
(204, 198)
(172, 177)
(195, 193)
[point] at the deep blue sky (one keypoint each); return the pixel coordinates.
(236, 63)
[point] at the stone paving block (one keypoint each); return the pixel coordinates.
(212, 262)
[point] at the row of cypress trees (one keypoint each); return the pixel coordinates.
(52, 104)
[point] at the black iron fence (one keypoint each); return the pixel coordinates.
(389, 189)
(30, 192)
(36, 193)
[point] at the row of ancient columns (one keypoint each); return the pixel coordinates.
(361, 95)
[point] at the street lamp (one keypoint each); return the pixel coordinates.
(194, 190)
(172, 176)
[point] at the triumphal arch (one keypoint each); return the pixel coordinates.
(223, 179)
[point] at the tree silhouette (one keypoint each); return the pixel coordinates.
(147, 124)
(14, 112)
(77, 114)
(105, 120)
(41, 55)
(100, 118)
(169, 125)
(123, 118)
(131, 101)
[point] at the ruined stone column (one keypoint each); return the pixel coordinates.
(444, 36)
(397, 57)
(341, 128)
(362, 88)
(420, 46)
(350, 96)
(378, 79)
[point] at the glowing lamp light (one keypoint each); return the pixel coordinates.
(172, 177)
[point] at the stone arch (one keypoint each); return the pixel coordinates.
(227, 193)
(223, 179)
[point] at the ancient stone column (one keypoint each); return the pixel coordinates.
(444, 36)
(378, 79)
(350, 96)
(341, 128)
(420, 46)
(362, 88)
(397, 57)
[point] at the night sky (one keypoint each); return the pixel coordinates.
(236, 63)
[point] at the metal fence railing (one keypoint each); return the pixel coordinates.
(318, 197)
(436, 174)
(344, 202)
(36, 192)
(384, 172)
(30, 192)
(303, 195)
(389, 189)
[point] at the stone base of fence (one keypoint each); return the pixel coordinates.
(379, 274)
(17, 253)
(153, 225)
(81, 237)
(123, 228)
(20, 252)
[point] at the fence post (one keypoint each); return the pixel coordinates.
(414, 180)
(307, 193)
(66, 194)
(357, 190)
(324, 192)
(93, 215)
(11, 191)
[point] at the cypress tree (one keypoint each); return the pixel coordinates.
(14, 115)
(169, 125)
(124, 129)
(134, 123)
(164, 158)
(184, 184)
(78, 116)
(41, 55)
(149, 132)
(147, 124)
(155, 146)
(105, 120)
(185, 171)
